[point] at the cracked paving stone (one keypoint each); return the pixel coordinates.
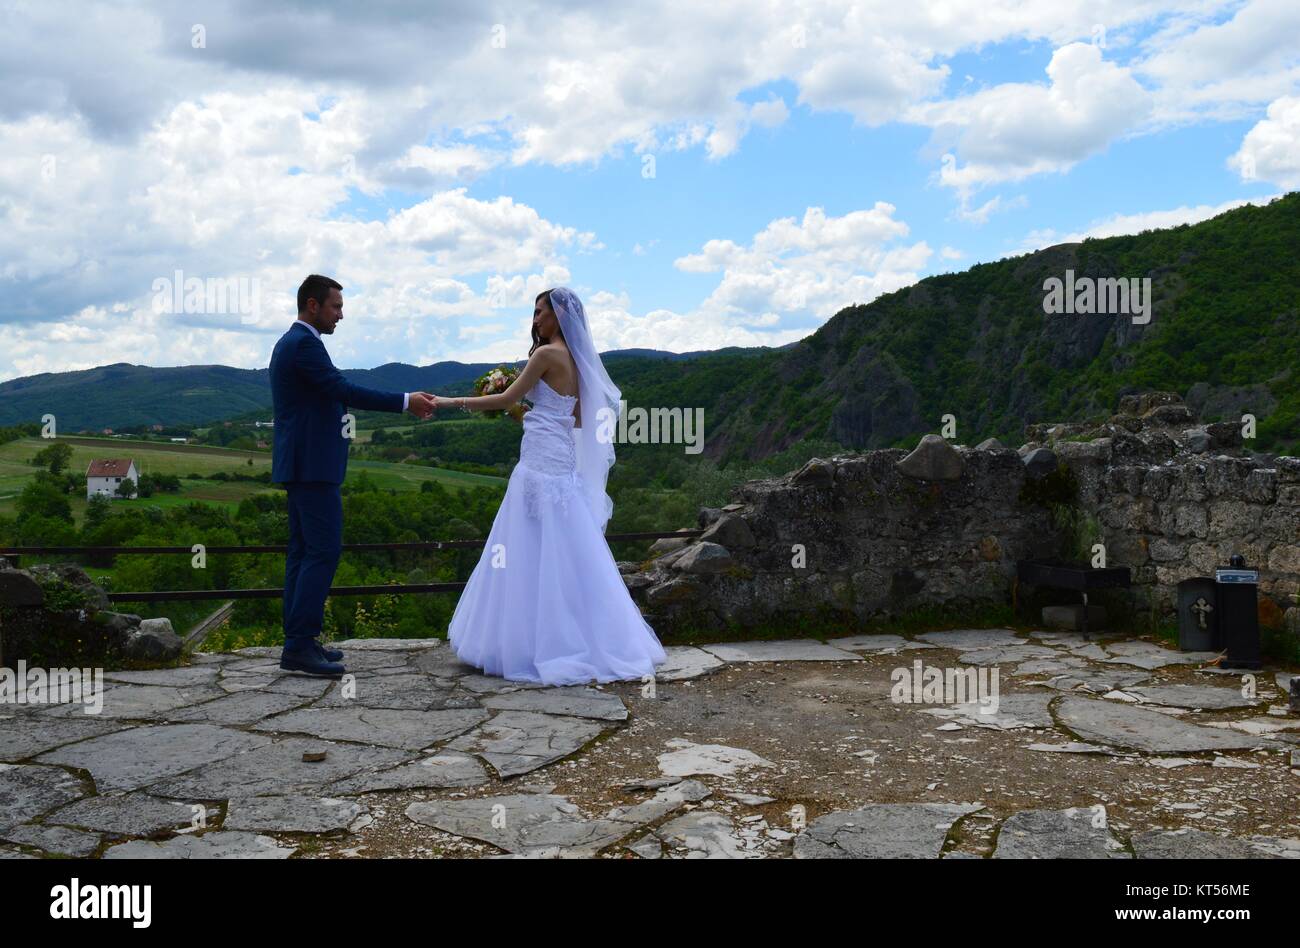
(1096, 680)
(1273, 846)
(277, 768)
(302, 685)
(37, 734)
(254, 666)
(647, 847)
(385, 727)
(704, 835)
(239, 709)
(397, 692)
(221, 844)
(882, 644)
(443, 770)
(388, 645)
(882, 831)
(127, 760)
(515, 742)
(1050, 666)
(141, 701)
(654, 783)
(1077, 747)
(132, 814)
(1212, 697)
(686, 661)
(1150, 656)
(533, 822)
(789, 650)
(969, 639)
(1013, 711)
(1191, 843)
(292, 813)
(578, 702)
(1258, 726)
(486, 684)
(1124, 725)
(55, 840)
(1057, 834)
(27, 791)
(687, 759)
(442, 663)
(1006, 654)
(1060, 639)
(173, 677)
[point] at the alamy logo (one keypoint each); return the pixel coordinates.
(1108, 296)
(655, 426)
(922, 684)
(21, 685)
(103, 901)
(213, 296)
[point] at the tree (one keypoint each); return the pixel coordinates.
(126, 488)
(97, 511)
(55, 458)
(44, 496)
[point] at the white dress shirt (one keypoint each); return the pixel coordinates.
(406, 396)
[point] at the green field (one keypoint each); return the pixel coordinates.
(181, 459)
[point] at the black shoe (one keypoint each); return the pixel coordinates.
(311, 662)
(331, 654)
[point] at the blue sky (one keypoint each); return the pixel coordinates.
(449, 161)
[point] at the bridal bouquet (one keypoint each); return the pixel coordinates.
(494, 383)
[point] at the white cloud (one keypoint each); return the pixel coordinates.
(813, 267)
(260, 156)
(1202, 68)
(1271, 150)
(1120, 224)
(1014, 130)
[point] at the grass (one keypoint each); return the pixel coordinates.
(181, 459)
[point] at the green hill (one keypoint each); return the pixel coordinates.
(1224, 332)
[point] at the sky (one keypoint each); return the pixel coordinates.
(702, 175)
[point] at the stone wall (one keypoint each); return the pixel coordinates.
(53, 615)
(876, 540)
(1175, 500)
(886, 532)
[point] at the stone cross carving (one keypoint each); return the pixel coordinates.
(1201, 607)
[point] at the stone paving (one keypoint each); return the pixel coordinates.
(418, 754)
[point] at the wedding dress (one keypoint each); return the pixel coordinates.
(546, 602)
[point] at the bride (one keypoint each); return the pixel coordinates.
(545, 602)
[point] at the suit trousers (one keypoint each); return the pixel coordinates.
(315, 544)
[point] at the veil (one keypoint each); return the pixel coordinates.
(594, 439)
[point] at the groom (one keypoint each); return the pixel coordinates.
(310, 458)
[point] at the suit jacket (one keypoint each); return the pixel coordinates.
(310, 397)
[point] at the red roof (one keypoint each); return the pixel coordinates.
(109, 467)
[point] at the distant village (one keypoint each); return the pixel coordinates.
(225, 434)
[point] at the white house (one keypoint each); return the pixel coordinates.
(104, 474)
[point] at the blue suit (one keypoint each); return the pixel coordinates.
(310, 458)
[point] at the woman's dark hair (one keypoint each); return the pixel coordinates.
(538, 339)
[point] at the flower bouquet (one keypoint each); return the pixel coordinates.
(494, 383)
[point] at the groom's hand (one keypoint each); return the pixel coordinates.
(421, 404)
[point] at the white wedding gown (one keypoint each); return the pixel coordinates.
(546, 602)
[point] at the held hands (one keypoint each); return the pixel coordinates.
(436, 402)
(422, 404)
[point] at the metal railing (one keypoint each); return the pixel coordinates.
(191, 595)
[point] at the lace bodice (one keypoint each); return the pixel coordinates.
(548, 445)
(548, 452)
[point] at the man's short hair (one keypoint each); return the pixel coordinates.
(316, 287)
